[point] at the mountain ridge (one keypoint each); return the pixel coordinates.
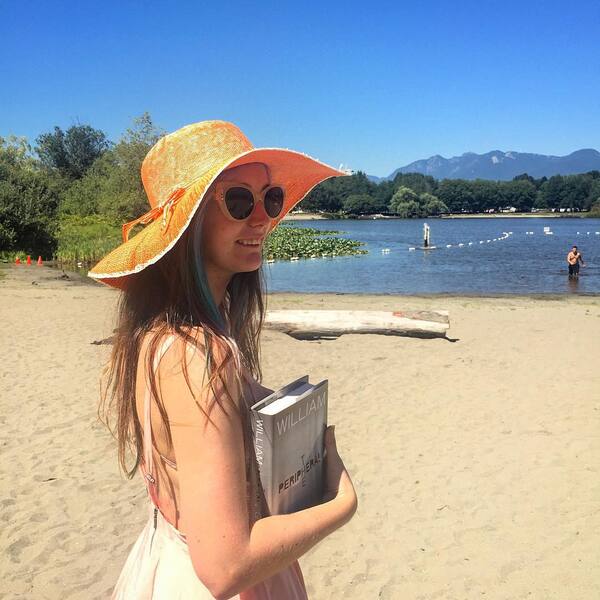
(501, 165)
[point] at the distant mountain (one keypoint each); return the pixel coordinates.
(500, 165)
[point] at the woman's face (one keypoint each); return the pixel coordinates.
(228, 246)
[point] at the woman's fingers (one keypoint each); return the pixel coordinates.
(330, 437)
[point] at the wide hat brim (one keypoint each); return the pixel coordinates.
(296, 172)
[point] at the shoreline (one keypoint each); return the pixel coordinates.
(11, 272)
(519, 216)
(305, 217)
(375, 217)
(549, 296)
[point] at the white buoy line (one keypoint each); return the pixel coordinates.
(548, 231)
(505, 235)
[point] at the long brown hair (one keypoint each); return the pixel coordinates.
(172, 297)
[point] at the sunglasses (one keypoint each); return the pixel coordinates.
(237, 200)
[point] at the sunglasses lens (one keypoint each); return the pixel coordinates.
(239, 202)
(274, 202)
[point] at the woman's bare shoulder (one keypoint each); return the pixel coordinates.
(172, 346)
(179, 365)
(167, 355)
(184, 380)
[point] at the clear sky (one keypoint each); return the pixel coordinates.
(373, 85)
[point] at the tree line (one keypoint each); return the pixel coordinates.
(416, 195)
(69, 193)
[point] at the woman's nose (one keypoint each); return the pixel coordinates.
(259, 216)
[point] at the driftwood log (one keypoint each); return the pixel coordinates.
(314, 324)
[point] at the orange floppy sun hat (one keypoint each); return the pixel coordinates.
(177, 173)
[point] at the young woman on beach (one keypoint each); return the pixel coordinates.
(185, 369)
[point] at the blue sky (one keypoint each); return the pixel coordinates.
(371, 85)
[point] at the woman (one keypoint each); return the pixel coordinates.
(185, 366)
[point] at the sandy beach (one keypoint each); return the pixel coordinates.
(476, 458)
(304, 216)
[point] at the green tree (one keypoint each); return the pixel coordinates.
(15, 152)
(485, 195)
(127, 187)
(91, 194)
(540, 201)
(383, 194)
(322, 198)
(402, 195)
(575, 192)
(431, 205)
(417, 182)
(359, 204)
(73, 152)
(112, 186)
(28, 201)
(519, 193)
(456, 194)
(329, 196)
(551, 192)
(143, 134)
(409, 210)
(405, 203)
(524, 177)
(593, 197)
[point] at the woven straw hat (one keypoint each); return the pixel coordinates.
(177, 173)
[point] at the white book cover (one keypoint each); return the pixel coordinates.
(289, 427)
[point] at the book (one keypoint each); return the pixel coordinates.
(289, 428)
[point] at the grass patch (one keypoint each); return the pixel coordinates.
(86, 239)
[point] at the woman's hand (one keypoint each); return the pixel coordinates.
(338, 485)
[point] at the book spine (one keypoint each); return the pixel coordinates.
(263, 445)
(270, 450)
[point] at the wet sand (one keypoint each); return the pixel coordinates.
(475, 459)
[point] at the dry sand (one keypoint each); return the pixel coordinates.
(475, 460)
(304, 217)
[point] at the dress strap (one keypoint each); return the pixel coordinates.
(148, 461)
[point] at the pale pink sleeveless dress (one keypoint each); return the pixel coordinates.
(159, 566)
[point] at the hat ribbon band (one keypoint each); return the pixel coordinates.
(165, 210)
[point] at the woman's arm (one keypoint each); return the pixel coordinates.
(227, 555)
(298, 532)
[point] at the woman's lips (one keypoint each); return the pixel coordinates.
(251, 243)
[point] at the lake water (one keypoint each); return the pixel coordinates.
(516, 263)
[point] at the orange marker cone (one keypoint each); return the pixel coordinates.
(39, 262)
(28, 259)
(17, 261)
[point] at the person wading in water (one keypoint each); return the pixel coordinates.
(574, 259)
